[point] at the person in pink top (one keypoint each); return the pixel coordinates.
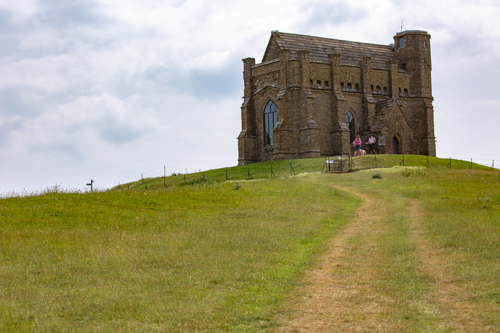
(357, 145)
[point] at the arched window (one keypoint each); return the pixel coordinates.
(349, 119)
(270, 119)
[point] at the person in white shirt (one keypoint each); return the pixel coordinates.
(371, 142)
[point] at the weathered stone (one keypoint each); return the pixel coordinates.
(315, 82)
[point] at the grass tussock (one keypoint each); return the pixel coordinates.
(198, 181)
(414, 171)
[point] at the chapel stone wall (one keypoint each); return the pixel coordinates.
(390, 98)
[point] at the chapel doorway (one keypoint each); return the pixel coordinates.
(395, 145)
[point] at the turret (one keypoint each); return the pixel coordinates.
(413, 54)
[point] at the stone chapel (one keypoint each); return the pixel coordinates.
(311, 96)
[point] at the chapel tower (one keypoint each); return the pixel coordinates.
(412, 50)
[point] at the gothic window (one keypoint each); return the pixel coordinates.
(401, 42)
(318, 82)
(356, 86)
(270, 119)
(327, 84)
(349, 119)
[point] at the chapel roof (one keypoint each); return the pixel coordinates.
(320, 47)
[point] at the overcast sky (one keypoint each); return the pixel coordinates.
(112, 89)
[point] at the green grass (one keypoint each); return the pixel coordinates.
(289, 168)
(280, 169)
(207, 255)
(207, 258)
(389, 160)
(460, 220)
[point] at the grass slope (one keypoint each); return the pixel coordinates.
(435, 261)
(206, 258)
(288, 168)
(210, 257)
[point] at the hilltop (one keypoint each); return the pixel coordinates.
(288, 168)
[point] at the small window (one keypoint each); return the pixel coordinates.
(349, 86)
(400, 91)
(401, 42)
(377, 89)
(425, 43)
(318, 82)
(406, 91)
(312, 83)
(356, 86)
(371, 87)
(327, 84)
(403, 66)
(342, 85)
(385, 90)
(349, 119)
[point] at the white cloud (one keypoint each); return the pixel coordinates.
(22, 9)
(109, 89)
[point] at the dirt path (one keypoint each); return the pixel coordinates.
(340, 294)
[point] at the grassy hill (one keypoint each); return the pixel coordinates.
(205, 254)
(288, 168)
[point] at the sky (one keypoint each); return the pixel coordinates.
(116, 90)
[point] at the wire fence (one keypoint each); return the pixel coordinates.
(344, 163)
(431, 161)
